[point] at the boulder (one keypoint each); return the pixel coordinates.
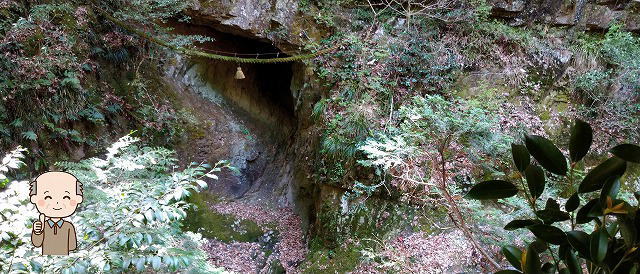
(565, 15)
(269, 20)
(601, 17)
(506, 8)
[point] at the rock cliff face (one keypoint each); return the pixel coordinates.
(263, 122)
(260, 123)
(593, 15)
(274, 21)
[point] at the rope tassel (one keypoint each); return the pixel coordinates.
(239, 74)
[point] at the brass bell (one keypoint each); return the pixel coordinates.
(239, 74)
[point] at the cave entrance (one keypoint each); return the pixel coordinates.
(265, 94)
(252, 121)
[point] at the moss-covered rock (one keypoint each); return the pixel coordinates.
(211, 224)
(339, 260)
(341, 220)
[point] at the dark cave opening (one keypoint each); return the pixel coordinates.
(265, 94)
(252, 121)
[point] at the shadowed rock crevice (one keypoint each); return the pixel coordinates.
(250, 121)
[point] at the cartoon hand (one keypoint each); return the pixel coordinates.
(37, 225)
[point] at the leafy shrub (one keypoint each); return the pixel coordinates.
(65, 72)
(129, 221)
(410, 155)
(419, 63)
(612, 96)
(603, 232)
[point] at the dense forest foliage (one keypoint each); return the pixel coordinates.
(410, 136)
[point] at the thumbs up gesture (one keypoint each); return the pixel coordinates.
(38, 225)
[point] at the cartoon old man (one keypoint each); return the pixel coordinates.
(56, 196)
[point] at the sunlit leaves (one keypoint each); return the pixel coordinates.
(134, 203)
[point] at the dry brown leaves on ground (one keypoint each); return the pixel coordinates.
(290, 249)
(449, 252)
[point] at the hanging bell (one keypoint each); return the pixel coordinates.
(239, 74)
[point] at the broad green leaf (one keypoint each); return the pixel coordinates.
(550, 216)
(580, 140)
(564, 250)
(548, 233)
(627, 152)
(491, 190)
(582, 217)
(29, 135)
(598, 245)
(595, 211)
(513, 255)
(596, 178)
(579, 240)
(212, 176)
(573, 264)
(508, 271)
(531, 262)
(547, 154)
(139, 263)
(155, 262)
(552, 213)
(149, 215)
(540, 245)
(123, 240)
(572, 203)
(202, 183)
(535, 180)
(628, 231)
(610, 189)
(516, 224)
(521, 157)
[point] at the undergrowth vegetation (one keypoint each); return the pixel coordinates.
(563, 238)
(67, 74)
(396, 87)
(135, 203)
(417, 104)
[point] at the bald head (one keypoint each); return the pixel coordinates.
(54, 177)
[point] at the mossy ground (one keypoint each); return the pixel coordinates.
(324, 260)
(341, 238)
(213, 225)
